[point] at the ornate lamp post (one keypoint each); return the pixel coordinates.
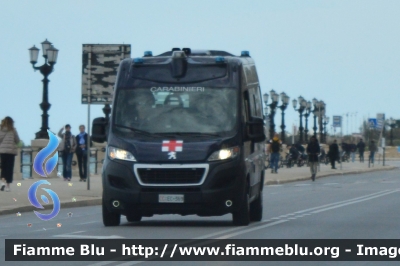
(321, 112)
(303, 105)
(273, 105)
(326, 121)
(50, 56)
(392, 124)
(306, 115)
(315, 114)
(285, 101)
(266, 118)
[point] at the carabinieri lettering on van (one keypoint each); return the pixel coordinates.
(176, 89)
(172, 146)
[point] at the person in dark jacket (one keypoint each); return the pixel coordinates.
(372, 149)
(81, 152)
(361, 149)
(333, 153)
(353, 149)
(294, 155)
(313, 151)
(67, 147)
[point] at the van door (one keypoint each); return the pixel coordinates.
(257, 149)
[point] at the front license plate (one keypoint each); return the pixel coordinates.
(169, 198)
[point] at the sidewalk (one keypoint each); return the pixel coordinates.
(71, 194)
(75, 193)
(295, 173)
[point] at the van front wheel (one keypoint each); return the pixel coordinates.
(110, 218)
(241, 217)
(256, 208)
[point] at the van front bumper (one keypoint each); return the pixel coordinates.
(220, 192)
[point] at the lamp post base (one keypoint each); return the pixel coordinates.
(42, 135)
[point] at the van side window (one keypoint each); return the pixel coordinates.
(258, 106)
(255, 102)
(246, 106)
(253, 107)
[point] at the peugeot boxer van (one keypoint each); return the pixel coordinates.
(185, 136)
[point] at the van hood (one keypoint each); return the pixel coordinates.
(173, 150)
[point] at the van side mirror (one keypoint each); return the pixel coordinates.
(255, 129)
(99, 130)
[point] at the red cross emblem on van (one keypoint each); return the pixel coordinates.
(172, 146)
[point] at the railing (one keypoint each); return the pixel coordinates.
(26, 161)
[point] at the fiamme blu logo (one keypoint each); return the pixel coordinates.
(43, 166)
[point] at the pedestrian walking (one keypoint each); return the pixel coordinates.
(372, 149)
(313, 151)
(274, 149)
(361, 149)
(333, 153)
(353, 149)
(8, 150)
(81, 152)
(67, 148)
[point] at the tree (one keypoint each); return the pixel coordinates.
(21, 144)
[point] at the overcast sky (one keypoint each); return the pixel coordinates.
(343, 52)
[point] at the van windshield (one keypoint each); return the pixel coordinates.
(177, 110)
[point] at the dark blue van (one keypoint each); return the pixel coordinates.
(186, 136)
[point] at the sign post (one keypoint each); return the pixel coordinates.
(100, 64)
(383, 147)
(337, 122)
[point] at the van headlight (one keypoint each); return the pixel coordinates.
(224, 154)
(115, 153)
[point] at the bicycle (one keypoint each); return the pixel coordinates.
(267, 163)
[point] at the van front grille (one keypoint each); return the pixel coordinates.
(171, 176)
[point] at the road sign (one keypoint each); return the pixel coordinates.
(372, 122)
(99, 70)
(337, 121)
(380, 118)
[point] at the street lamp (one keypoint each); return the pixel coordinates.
(265, 99)
(285, 101)
(302, 106)
(306, 115)
(326, 121)
(321, 114)
(392, 124)
(50, 56)
(266, 120)
(316, 104)
(273, 105)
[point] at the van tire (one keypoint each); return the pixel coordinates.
(110, 218)
(134, 217)
(241, 217)
(256, 208)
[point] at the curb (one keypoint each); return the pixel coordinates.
(82, 203)
(97, 201)
(303, 178)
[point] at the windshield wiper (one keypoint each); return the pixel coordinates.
(142, 132)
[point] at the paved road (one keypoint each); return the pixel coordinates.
(338, 207)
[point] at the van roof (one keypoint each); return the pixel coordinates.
(199, 53)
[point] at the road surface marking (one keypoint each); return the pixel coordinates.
(89, 237)
(265, 224)
(91, 222)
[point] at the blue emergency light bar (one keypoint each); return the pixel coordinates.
(245, 53)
